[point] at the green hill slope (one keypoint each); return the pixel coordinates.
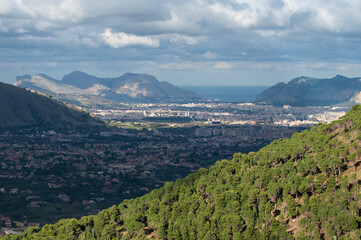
(306, 187)
(22, 108)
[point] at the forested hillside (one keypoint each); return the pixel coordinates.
(22, 108)
(306, 187)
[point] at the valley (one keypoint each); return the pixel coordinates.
(48, 175)
(180, 120)
(302, 187)
(63, 171)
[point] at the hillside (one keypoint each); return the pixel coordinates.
(22, 108)
(306, 187)
(129, 87)
(306, 91)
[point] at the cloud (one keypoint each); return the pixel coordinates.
(180, 38)
(21, 30)
(223, 65)
(227, 34)
(118, 40)
(209, 55)
(186, 66)
(2, 27)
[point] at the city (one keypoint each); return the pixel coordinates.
(223, 113)
(71, 174)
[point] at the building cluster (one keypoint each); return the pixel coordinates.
(226, 113)
(88, 172)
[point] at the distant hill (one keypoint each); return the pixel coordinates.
(306, 187)
(22, 108)
(128, 87)
(307, 91)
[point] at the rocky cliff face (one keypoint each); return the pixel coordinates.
(306, 91)
(129, 86)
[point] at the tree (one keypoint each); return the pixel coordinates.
(291, 207)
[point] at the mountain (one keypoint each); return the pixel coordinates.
(128, 87)
(22, 108)
(307, 91)
(305, 187)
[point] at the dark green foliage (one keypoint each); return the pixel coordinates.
(300, 188)
(291, 207)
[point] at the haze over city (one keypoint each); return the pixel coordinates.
(183, 42)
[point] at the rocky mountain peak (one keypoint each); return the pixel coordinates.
(129, 86)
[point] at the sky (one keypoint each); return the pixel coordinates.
(184, 42)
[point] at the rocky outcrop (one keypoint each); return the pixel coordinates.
(129, 86)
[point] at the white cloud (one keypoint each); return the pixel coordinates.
(231, 17)
(178, 35)
(121, 39)
(209, 55)
(223, 65)
(320, 65)
(266, 33)
(189, 15)
(5, 6)
(21, 30)
(179, 66)
(51, 64)
(180, 38)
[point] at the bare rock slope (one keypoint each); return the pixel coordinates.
(127, 87)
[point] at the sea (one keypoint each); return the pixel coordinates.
(227, 93)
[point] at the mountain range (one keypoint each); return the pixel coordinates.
(22, 108)
(308, 91)
(126, 88)
(305, 187)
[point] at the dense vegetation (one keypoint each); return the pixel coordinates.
(306, 187)
(22, 108)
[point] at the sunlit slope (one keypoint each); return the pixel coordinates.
(128, 87)
(306, 187)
